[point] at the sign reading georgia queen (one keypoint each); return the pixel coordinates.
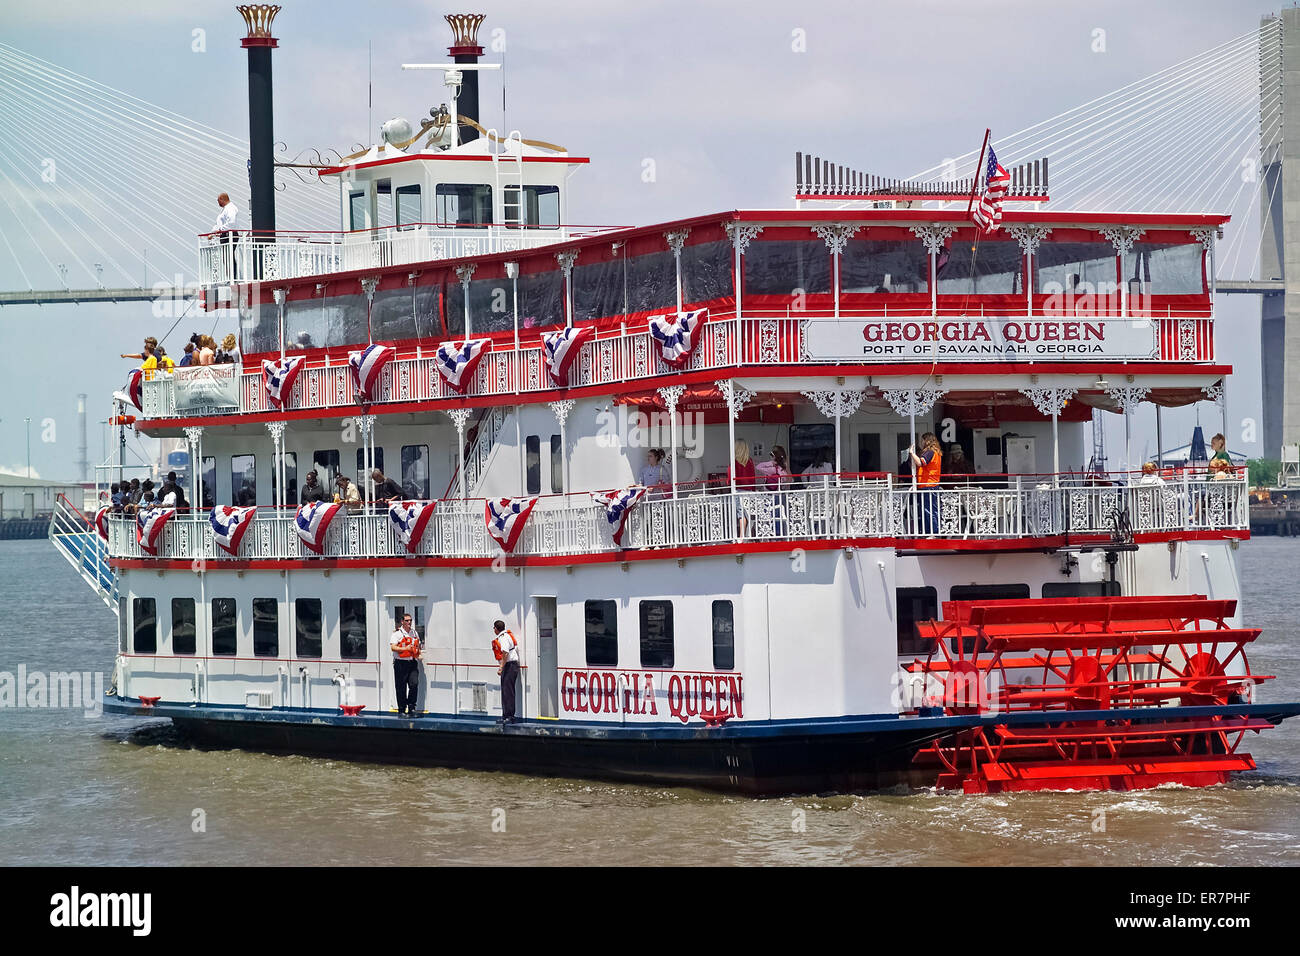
(984, 338)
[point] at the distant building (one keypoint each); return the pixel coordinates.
(34, 497)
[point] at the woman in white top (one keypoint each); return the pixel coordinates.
(817, 475)
(655, 474)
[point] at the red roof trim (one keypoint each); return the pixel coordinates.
(335, 170)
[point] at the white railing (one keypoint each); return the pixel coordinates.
(239, 256)
(874, 509)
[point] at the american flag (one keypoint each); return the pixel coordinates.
(987, 214)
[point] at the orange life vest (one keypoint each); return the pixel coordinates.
(408, 648)
(929, 474)
(497, 650)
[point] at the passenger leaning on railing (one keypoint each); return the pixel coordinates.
(312, 490)
(655, 474)
(347, 493)
(929, 466)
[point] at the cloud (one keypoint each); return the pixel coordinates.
(19, 471)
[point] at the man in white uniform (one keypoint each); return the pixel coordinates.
(405, 644)
(226, 224)
(506, 650)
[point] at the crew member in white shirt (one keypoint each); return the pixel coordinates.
(405, 644)
(226, 225)
(506, 650)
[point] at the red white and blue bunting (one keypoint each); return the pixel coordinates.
(134, 385)
(149, 527)
(313, 520)
(367, 366)
(506, 518)
(409, 519)
(101, 521)
(457, 363)
(229, 525)
(677, 335)
(618, 505)
(559, 349)
(279, 376)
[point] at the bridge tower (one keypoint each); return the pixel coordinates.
(1279, 196)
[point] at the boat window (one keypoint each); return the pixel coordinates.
(291, 479)
(392, 315)
(602, 633)
(144, 620)
(326, 464)
(724, 636)
(1068, 589)
(121, 624)
(415, 471)
(652, 282)
(463, 204)
(259, 328)
(307, 627)
(304, 325)
(361, 463)
(243, 480)
(209, 479)
(914, 604)
(808, 443)
(989, 267)
(985, 592)
(266, 627)
(224, 635)
(345, 320)
(869, 452)
(541, 299)
(533, 465)
(1161, 268)
(781, 266)
(557, 465)
(183, 626)
(357, 209)
(386, 215)
(417, 616)
(656, 633)
(409, 206)
(598, 289)
(491, 305)
(707, 271)
(541, 206)
(1074, 268)
(352, 629)
(885, 265)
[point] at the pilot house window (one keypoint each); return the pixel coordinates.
(540, 206)
(464, 204)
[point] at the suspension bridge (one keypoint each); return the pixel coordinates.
(101, 215)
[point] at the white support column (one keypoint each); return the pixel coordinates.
(676, 239)
(1122, 237)
(367, 425)
(561, 411)
(1051, 400)
(464, 273)
(741, 235)
(736, 397)
(934, 236)
(368, 286)
(279, 296)
(1029, 238)
(837, 404)
(512, 273)
(459, 417)
(1128, 397)
(566, 260)
(671, 395)
(912, 402)
(194, 437)
(836, 236)
(276, 430)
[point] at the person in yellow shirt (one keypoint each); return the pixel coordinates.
(148, 357)
(164, 360)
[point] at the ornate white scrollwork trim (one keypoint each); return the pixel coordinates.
(463, 273)
(913, 401)
(934, 236)
(836, 402)
(1128, 397)
(672, 394)
(1206, 237)
(367, 424)
(459, 417)
(1029, 237)
(193, 434)
(1214, 392)
(741, 234)
(1049, 400)
(368, 285)
(676, 238)
(276, 430)
(566, 260)
(1122, 237)
(836, 235)
(736, 396)
(561, 410)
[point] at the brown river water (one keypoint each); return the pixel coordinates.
(113, 791)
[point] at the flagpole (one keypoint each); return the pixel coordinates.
(976, 181)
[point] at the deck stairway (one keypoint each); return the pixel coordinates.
(76, 539)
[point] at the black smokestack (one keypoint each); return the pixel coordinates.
(465, 49)
(261, 124)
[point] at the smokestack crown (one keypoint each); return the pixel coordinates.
(258, 17)
(464, 32)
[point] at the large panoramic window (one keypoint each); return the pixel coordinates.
(266, 627)
(144, 621)
(463, 204)
(707, 271)
(987, 267)
(352, 629)
(652, 282)
(307, 627)
(243, 480)
(415, 471)
(884, 265)
(184, 630)
(656, 633)
(602, 633)
(491, 304)
(1074, 268)
(598, 289)
(724, 636)
(1158, 268)
(780, 267)
(224, 635)
(914, 604)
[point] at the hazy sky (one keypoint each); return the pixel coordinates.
(714, 92)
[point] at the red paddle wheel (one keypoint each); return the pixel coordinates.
(1144, 659)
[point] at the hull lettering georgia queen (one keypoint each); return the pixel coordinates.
(771, 500)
